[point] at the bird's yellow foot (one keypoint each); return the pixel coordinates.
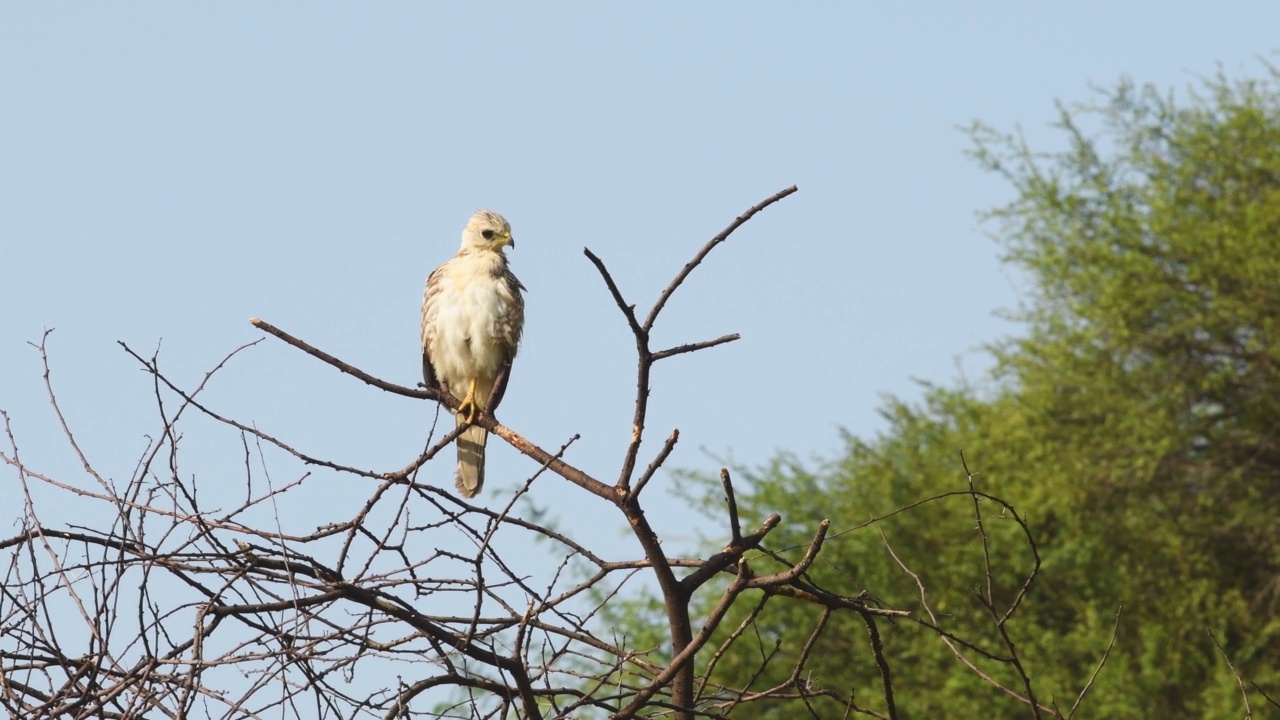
(469, 406)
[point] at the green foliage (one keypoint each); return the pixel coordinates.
(1135, 424)
(1148, 384)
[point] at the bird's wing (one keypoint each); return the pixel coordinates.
(510, 328)
(429, 312)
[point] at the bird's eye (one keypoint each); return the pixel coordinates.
(487, 234)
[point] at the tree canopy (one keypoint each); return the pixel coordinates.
(1134, 422)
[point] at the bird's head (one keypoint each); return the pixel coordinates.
(487, 230)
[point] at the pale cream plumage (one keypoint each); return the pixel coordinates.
(472, 318)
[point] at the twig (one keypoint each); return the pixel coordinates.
(729, 556)
(877, 651)
(1265, 696)
(731, 503)
(706, 249)
(693, 347)
(982, 531)
(728, 642)
(628, 310)
(1244, 693)
(310, 460)
(1115, 630)
(800, 567)
(667, 447)
(355, 372)
(950, 640)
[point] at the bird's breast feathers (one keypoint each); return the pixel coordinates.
(475, 319)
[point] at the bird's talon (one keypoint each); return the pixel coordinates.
(470, 410)
(469, 406)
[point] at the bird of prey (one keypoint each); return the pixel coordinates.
(472, 317)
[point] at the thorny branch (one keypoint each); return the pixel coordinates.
(355, 592)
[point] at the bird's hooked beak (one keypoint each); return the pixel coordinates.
(508, 240)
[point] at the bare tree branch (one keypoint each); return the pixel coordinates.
(229, 593)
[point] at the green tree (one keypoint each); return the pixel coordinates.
(1135, 423)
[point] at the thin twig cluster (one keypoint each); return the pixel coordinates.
(408, 605)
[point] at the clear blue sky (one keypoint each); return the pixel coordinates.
(169, 170)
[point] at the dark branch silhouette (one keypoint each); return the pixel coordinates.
(170, 607)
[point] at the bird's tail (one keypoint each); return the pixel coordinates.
(471, 459)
